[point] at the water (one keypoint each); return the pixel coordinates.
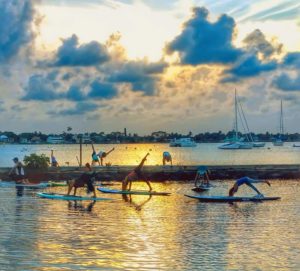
(158, 233)
(131, 154)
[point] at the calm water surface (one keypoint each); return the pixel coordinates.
(131, 154)
(158, 233)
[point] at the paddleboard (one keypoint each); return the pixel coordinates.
(132, 192)
(66, 197)
(13, 184)
(230, 199)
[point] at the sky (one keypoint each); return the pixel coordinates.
(148, 65)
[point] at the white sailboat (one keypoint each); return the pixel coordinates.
(236, 142)
(278, 141)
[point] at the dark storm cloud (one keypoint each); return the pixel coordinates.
(248, 67)
(70, 53)
(15, 26)
(204, 42)
(142, 76)
(285, 82)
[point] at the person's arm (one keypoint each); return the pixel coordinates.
(110, 151)
(12, 170)
(93, 147)
(254, 188)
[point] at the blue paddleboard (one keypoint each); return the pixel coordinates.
(132, 192)
(67, 197)
(230, 199)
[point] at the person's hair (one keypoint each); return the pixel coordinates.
(16, 159)
(104, 154)
(88, 166)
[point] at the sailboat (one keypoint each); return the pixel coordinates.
(236, 142)
(278, 141)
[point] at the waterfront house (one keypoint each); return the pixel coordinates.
(55, 140)
(4, 139)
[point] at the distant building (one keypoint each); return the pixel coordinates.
(4, 139)
(159, 134)
(85, 138)
(36, 140)
(55, 140)
(24, 140)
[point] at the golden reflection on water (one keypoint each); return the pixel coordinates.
(131, 154)
(151, 233)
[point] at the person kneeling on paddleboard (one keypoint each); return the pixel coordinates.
(136, 175)
(248, 181)
(86, 178)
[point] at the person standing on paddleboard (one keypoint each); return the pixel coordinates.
(136, 175)
(167, 158)
(248, 181)
(86, 179)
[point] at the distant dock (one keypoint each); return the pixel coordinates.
(164, 173)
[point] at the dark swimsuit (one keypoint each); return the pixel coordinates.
(86, 179)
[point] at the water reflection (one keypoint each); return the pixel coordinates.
(137, 205)
(81, 206)
(150, 233)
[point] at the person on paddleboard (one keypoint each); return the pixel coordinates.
(103, 154)
(54, 162)
(202, 177)
(248, 181)
(136, 175)
(17, 173)
(167, 158)
(86, 179)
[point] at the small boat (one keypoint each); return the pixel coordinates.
(296, 145)
(183, 142)
(236, 143)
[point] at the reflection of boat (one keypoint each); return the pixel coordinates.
(258, 144)
(278, 141)
(236, 143)
(183, 142)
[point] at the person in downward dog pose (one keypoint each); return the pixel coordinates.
(247, 181)
(136, 175)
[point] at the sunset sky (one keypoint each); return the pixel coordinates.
(148, 65)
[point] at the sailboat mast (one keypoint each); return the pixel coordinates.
(281, 119)
(236, 120)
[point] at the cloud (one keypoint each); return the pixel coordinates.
(248, 66)
(204, 42)
(15, 27)
(75, 94)
(102, 90)
(70, 53)
(79, 109)
(141, 75)
(41, 88)
(256, 42)
(292, 59)
(287, 83)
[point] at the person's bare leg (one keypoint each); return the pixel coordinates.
(70, 186)
(75, 189)
(124, 183)
(149, 185)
